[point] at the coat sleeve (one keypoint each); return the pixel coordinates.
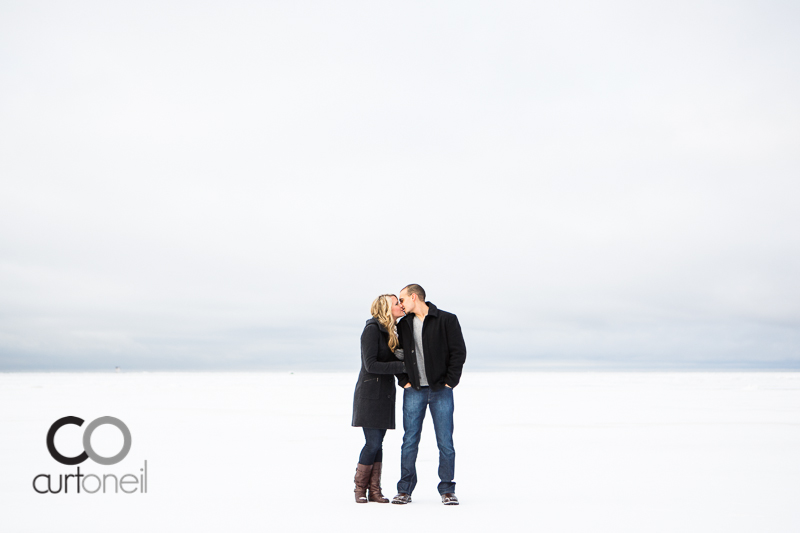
(458, 352)
(370, 344)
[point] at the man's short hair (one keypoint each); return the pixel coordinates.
(415, 289)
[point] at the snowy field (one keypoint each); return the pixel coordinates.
(573, 452)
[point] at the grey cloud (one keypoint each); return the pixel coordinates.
(209, 187)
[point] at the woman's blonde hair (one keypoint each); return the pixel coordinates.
(382, 311)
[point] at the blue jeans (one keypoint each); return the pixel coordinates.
(415, 402)
(372, 452)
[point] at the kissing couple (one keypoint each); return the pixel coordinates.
(425, 351)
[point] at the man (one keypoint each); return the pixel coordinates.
(434, 355)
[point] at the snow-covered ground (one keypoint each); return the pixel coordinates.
(638, 452)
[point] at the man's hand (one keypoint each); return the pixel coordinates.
(407, 385)
(448, 386)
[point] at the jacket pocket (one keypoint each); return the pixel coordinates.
(369, 388)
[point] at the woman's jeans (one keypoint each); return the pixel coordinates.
(372, 452)
(415, 402)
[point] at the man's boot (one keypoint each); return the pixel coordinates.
(363, 473)
(375, 494)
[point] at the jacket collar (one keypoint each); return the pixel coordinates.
(380, 326)
(432, 311)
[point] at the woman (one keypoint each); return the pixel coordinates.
(373, 403)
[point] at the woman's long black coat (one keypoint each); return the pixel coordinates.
(373, 401)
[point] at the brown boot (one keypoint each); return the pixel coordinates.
(363, 473)
(375, 485)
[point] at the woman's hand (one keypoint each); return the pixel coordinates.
(407, 385)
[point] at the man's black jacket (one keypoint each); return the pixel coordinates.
(442, 347)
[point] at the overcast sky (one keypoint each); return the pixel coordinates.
(229, 185)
